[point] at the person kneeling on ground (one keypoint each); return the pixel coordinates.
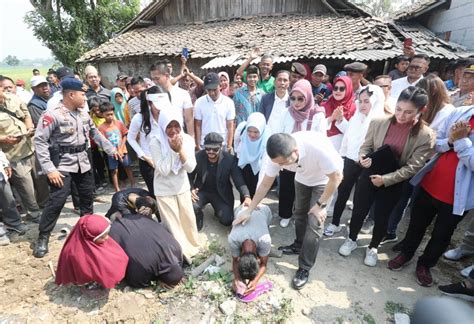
(210, 181)
(125, 202)
(153, 252)
(89, 255)
(250, 246)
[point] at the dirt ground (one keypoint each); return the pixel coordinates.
(341, 290)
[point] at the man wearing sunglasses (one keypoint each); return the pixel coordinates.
(210, 181)
(417, 67)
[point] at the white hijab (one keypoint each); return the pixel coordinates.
(359, 123)
(168, 115)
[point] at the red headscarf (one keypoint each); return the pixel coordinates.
(309, 109)
(83, 261)
(348, 103)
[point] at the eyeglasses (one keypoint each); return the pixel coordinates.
(414, 67)
(300, 99)
(212, 149)
(340, 89)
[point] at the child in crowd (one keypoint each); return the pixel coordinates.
(116, 132)
(98, 161)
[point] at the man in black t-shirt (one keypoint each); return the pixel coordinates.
(210, 181)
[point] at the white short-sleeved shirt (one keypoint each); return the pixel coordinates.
(278, 110)
(214, 115)
(399, 85)
(317, 158)
(180, 99)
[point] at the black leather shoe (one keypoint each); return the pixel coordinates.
(41, 246)
(300, 279)
(290, 249)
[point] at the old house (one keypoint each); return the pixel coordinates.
(220, 33)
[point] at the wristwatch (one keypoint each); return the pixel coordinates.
(321, 205)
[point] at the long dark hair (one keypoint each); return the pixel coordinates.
(419, 98)
(145, 108)
(438, 96)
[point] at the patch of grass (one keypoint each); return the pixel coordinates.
(362, 314)
(213, 248)
(222, 277)
(368, 318)
(189, 285)
(339, 320)
(285, 311)
(391, 308)
(21, 72)
(216, 248)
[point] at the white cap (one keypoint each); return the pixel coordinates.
(37, 80)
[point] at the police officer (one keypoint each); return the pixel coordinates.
(61, 142)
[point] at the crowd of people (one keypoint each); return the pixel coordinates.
(401, 141)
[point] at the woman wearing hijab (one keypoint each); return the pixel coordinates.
(172, 152)
(89, 255)
(340, 107)
(119, 102)
(250, 141)
(224, 82)
(302, 115)
(370, 105)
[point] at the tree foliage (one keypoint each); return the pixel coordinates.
(377, 8)
(11, 60)
(69, 28)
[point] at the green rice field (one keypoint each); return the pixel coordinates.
(21, 72)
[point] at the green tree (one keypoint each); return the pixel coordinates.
(377, 8)
(71, 28)
(11, 60)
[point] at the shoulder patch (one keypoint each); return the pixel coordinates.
(47, 120)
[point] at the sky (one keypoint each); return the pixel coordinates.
(15, 37)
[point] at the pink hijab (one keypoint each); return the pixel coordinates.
(225, 92)
(303, 86)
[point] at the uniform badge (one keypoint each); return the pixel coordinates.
(47, 120)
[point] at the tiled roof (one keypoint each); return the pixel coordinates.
(418, 9)
(283, 35)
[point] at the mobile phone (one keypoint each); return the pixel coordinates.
(323, 91)
(185, 52)
(408, 42)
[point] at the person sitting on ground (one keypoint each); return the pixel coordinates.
(408, 143)
(116, 132)
(340, 107)
(89, 255)
(370, 105)
(125, 202)
(210, 181)
(250, 141)
(401, 66)
(154, 254)
(250, 245)
(447, 193)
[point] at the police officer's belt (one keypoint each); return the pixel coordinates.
(72, 149)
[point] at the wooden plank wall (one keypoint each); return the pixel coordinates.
(189, 11)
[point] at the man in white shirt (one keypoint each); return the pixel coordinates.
(180, 98)
(318, 168)
(417, 67)
(385, 82)
(275, 104)
(214, 113)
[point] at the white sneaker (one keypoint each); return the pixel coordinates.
(465, 272)
(371, 257)
(347, 247)
(332, 229)
(454, 254)
(284, 222)
(4, 240)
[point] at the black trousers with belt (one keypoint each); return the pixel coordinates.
(57, 198)
(425, 209)
(384, 200)
(286, 197)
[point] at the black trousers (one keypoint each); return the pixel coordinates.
(352, 171)
(148, 174)
(98, 165)
(57, 198)
(222, 210)
(250, 179)
(424, 210)
(384, 200)
(286, 197)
